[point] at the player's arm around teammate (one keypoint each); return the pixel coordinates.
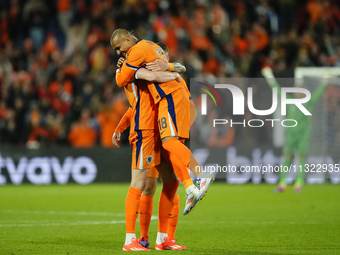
(159, 65)
(170, 182)
(174, 107)
(173, 104)
(164, 170)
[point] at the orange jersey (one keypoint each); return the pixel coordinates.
(144, 111)
(131, 91)
(141, 53)
(174, 115)
(184, 85)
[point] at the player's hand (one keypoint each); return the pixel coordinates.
(267, 72)
(178, 77)
(120, 62)
(157, 66)
(116, 139)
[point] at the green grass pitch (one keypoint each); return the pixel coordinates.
(231, 219)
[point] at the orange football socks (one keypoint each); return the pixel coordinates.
(174, 149)
(145, 213)
(166, 204)
(174, 146)
(173, 218)
(132, 208)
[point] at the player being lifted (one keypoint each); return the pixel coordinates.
(173, 105)
(143, 137)
(298, 137)
(146, 201)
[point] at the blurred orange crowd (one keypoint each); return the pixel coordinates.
(57, 68)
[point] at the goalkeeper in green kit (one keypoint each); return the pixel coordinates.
(298, 137)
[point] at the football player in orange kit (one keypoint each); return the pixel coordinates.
(173, 117)
(146, 202)
(145, 140)
(168, 115)
(146, 155)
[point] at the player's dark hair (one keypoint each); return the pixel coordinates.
(164, 47)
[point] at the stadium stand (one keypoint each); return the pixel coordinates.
(57, 67)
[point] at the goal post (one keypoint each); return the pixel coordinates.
(325, 136)
(301, 72)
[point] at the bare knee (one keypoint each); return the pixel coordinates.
(168, 138)
(150, 187)
(139, 178)
(138, 184)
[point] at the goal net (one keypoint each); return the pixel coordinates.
(325, 136)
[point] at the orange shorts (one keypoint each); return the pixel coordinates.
(153, 172)
(174, 115)
(146, 149)
(164, 164)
